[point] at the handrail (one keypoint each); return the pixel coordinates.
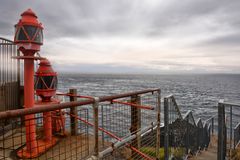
(236, 140)
(177, 107)
(171, 96)
(186, 114)
(117, 96)
(8, 40)
(223, 134)
(209, 119)
(175, 104)
(238, 125)
(120, 142)
(203, 128)
(51, 107)
(229, 103)
(199, 121)
(43, 108)
(209, 126)
(189, 113)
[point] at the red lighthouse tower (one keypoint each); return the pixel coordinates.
(29, 37)
(46, 85)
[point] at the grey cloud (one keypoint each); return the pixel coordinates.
(177, 13)
(167, 62)
(123, 69)
(227, 40)
(179, 64)
(102, 68)
(86, 18)
(191, 68)
(137, 18)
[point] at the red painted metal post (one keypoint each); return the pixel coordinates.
(135, 122)
(73, 110)
(28, 38)
(31, 142)
(47, 125)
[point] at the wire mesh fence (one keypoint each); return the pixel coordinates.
(9, 76)
(183, 136)
(84, 128)
(228, 130)
(114, 118)
(133, 122)
(13, 143)
(141, 145)
(124, 126)
(236, 135)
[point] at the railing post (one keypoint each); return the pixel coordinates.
(231, 137)
(187, 136)
(95, 117)
(209, 134)
(73, 111)
(19, 79)
(158, 124)
(166, 129)
(204, 136)
(102, 120)
(234, 140)
(212, 126)
(136, 121)
(198, 136)
(221, 132)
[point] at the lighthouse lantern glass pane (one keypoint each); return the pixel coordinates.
(20, 35)
(31, 30)
(39, 37)
(55, 83)
(40, 84)
(46, 82)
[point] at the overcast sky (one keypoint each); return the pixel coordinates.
(134, 36)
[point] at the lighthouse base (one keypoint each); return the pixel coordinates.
(42, 147)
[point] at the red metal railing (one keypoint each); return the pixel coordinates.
(112, 135)
(78, 146)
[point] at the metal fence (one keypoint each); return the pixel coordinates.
(13, 140)
(133, 132)
(183, 136)
(9, 76)
(110, 127)
(228, 129)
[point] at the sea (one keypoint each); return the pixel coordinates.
(199, 93)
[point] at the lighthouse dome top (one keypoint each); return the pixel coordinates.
(29, 12)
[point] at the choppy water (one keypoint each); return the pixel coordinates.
(199, 93)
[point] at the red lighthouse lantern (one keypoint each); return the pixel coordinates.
(28, 35)
(46, 81)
